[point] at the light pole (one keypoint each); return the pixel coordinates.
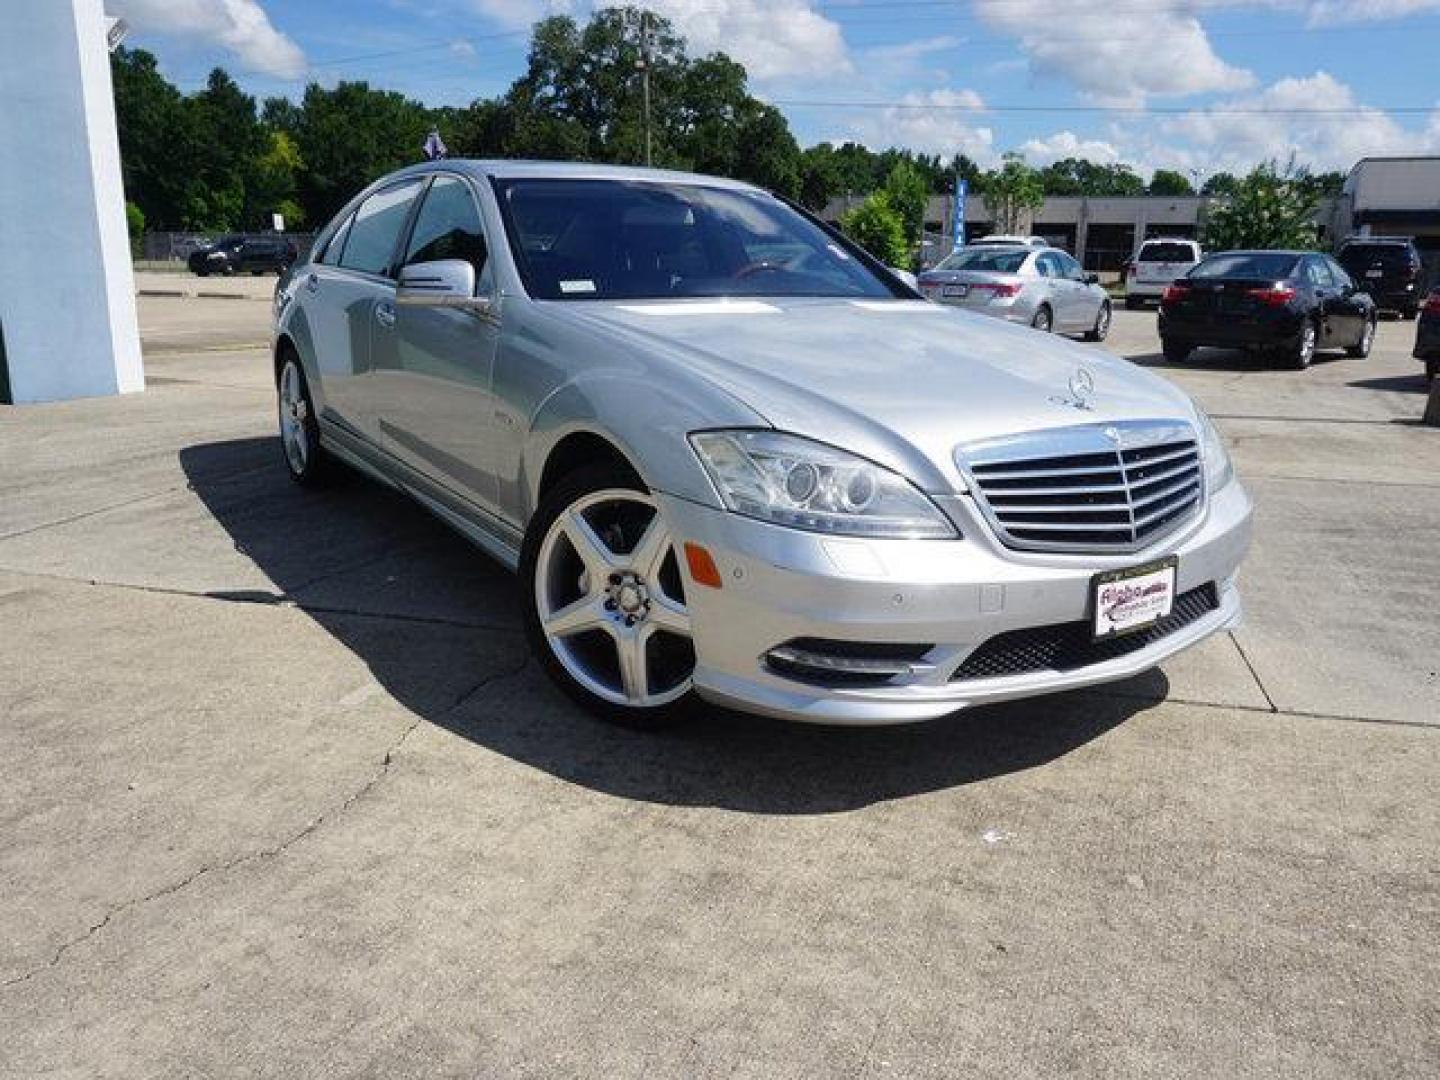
(644, 65)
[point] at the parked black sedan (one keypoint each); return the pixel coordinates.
(1427, 335)
(1289, 304)
(243, 254)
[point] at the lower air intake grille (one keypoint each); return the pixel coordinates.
(1070, 646)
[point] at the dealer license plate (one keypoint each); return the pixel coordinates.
(1134, 598)
(957, 290)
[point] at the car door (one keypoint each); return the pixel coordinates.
(1350, 302)
(434, 366)
(349, 292)
(1062, 297)
(1334, 329)
(1084, 303)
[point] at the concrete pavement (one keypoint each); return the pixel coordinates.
(287, 797)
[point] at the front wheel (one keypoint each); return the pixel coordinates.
(1102, 324)
(605, 599)
(1361, 348)
(1043, 320)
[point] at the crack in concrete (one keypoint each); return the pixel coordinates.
(275, 851)
(265, 598)
(1250, 666)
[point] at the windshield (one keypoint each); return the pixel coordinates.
(1266, 265)
(642, 240)
(995, 261)
(1166, 253)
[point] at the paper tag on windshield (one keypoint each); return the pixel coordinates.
(583, 285)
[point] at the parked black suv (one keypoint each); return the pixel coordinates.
(242, 254)
(1388, 268)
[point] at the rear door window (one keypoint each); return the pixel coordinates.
(375, 231)
(1317, 273)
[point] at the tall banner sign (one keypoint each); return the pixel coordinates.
(962, 189)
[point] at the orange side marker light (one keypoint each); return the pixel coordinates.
(702, 566)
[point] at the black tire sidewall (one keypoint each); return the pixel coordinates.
(570, 488)
(1049, 319)
(316, 470)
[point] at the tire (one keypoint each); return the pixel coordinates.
(202, 273)
(1102, 323)
(1175, 351)
(1361, 349)
(1302, 352)
(1133, 303)
(1043, 319)
(305, 459)
(604, 600)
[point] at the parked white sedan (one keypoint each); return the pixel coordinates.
(1040, 287)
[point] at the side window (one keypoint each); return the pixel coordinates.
(1069, 266)
(370, 247)
(1338, 275)
(448, 226)
(1317, 273)
(336, 245)
(1045, 264)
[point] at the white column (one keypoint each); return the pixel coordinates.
(67, 289)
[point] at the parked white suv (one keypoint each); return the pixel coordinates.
(1156, 265)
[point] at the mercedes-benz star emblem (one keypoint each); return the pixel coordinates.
(1113, 434)
(1082, 385)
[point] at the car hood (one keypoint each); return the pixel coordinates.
(901, 382)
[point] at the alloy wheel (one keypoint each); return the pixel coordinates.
(294, 411)
(610, 600)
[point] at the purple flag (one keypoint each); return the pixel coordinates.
(435, 146)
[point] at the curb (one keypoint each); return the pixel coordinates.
(181, 293)
(227, 296)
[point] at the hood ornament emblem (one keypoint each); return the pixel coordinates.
(1082, 389)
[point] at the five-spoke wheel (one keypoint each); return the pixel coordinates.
(607, 612)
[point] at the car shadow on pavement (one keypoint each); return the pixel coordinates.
(419, 607)
(1236, 360)
(1415, 384)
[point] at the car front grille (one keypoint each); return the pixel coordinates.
(1071, 646)
(1096, 487)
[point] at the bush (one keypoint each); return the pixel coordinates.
(135, 226)
(877, 227)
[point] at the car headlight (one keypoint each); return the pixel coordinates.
(1218, 470)
(793, 481)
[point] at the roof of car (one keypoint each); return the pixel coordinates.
(503, 169)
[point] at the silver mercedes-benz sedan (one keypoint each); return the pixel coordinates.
(734, 458)
(1044, 288)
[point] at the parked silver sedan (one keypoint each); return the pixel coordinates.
(732, 457)
(1044, 288)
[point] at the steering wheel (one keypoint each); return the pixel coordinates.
(762, 266)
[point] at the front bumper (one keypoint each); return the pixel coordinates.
(782, 584)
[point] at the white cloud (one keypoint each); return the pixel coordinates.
(1164, 51)
(1066, 144)
(1221, 138)
(935, 122)
(1331, 12)
(240, 26)
(774, 39)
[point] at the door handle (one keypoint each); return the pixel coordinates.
(385, 315)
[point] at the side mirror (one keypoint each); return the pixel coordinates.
(907, 277)
(443, 283)
(1092, 279)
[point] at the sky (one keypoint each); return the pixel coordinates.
(1194, 85)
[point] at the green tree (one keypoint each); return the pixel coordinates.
(135, 227)
(878, 227)
(1272, 207)
(1221, 183)
(1012, 191)
(1076, 176)
(157, 142)
(1170, 182)
(907, 193)
(275, 180)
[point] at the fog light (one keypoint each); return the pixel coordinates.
(847, 663)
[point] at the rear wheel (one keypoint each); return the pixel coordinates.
(1102, 324)
(299, 429)
(1302, 352)
(1361, 348)
(1044, 320)
(1175, 351)
(605, 599)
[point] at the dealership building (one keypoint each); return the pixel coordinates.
(1382, 197)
